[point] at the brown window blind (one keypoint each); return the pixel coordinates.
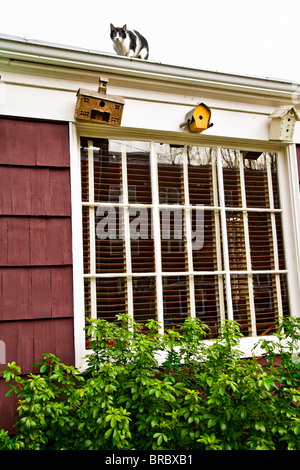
(111, 297)
(207, 301)
(144, 299)
(175, 299)
(205, 252)
(155, 219)
(241, 302)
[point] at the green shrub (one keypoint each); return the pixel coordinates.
(143, 390)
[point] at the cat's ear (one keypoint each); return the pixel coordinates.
(112, 27)
(125, 28)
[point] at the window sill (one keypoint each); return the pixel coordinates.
(246, 347)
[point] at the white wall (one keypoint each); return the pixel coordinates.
(42, 96)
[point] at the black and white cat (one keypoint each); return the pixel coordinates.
(129, 43)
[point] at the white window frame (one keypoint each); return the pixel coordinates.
(290, 208)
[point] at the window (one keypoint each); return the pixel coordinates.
(177, 231)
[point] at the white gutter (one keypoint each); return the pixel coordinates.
(17, 49)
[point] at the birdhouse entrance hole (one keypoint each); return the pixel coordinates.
(100, 115)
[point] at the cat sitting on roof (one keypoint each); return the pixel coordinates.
(129, 43)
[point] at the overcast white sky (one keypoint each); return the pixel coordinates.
(251, 37)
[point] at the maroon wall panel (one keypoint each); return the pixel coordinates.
(52, 144)
(34, 191)
(8, 408)
(36, 288)
(34, 143)
(28, 341)
(31, 241)
(62, 292)
(41, 292)
(17, 145)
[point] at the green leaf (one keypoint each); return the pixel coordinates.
(260, 427)
(108, 433)
(43, 368)
(212, 422)
(113, 422)
(281, 430)
(13, 389)
(37, 364)
(81, 426)
(223, 425)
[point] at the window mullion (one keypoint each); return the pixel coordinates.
(247, 247)
(92, 231)
(274, 237)
(224, 236)
(218, 237)
(156, 235)
(127, 240)
(188, 234)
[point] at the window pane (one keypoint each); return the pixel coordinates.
(144, 299)
(261, 240)
(204, 240)
(280, 244)
(87, 298)
(236, 240)
(200, 175)
(173, 255)
(138, 173)
(170, 174)
(110, 245)
(142, 245)
(284, 295)
(241, 303)
(86, 239)
(175, 298)
(256, 179)
(231, 177)
(84, 172)
(276, 195)
(266, 303)
(207, 305)
(107, 172)
(111, 297)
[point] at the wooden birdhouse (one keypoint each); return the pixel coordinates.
(283, 121)
(98, 106)
(198, 119)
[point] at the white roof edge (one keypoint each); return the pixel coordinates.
(37, 51)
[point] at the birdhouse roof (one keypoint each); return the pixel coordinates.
(283, 110)
(100, 96)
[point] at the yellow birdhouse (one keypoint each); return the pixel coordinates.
(198, 119)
